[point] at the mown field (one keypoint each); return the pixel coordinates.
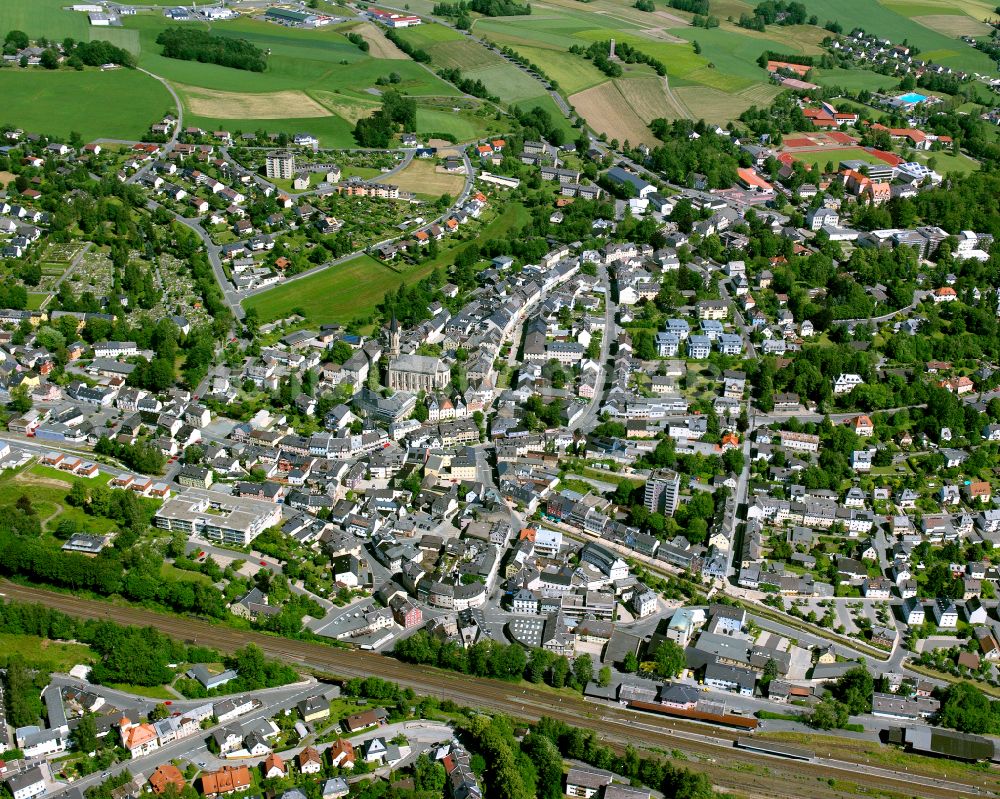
(352, 290)
(117, 104)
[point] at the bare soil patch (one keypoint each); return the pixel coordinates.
(291, 104)
(378, 45)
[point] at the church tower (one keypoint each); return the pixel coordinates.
(394, 337)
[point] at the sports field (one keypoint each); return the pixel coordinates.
(820, 158)
(353, 289)
(117, 104)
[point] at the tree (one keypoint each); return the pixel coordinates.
(559, 672)
(49, 59)
(583, 670)
(604, 677)
(84, 737)
(20, 399)
(630, 663)
(967, 709)
(829, 714)
(548, 765)
(15, 40)
(159, 712)
(669, 659)
(855, 689)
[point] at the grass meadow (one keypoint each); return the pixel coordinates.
(352, 290)
(116, 104)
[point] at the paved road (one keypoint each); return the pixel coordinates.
(142, 171)
(591, 416)
(194, 747)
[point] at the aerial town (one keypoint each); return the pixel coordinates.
(420, 440)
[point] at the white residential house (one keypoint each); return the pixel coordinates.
(845, 383)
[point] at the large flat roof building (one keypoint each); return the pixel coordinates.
(219, 517)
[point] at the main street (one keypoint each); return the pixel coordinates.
(590, 418)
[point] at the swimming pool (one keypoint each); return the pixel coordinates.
(912, 97)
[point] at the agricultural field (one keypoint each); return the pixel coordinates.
(897, 21)
(423, 179)
(378, 45)
(115, 104)
(316, 80)
(351, 290)
(608, 111)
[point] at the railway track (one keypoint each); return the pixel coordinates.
(743, 772)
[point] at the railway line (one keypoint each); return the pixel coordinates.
(741, 771)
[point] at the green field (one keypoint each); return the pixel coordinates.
(119, 104)
(572, 73)
(853, 79)
(149, 691)
(820, 158)
(47, 489)
(44, 653)
(43, 18)
(352, 290)
(338, 294)
(35, 300)
(449, 49)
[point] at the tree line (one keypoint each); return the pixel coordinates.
(775, 12)
(191, 44)
(598, 53)
(416, 53)
(472, 86)
(497, 660)
(488, 8)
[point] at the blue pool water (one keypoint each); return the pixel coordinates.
(912, 97)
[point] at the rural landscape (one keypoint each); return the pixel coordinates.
(486, 399)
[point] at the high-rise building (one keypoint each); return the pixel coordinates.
(280, 164)
(663, 491)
